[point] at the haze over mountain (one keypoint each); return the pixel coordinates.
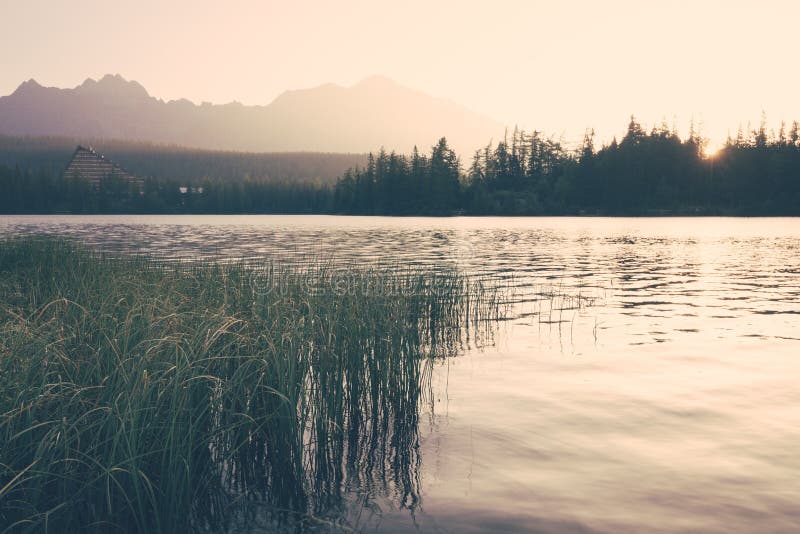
(373, 113)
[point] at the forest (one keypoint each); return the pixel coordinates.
(653, 172)
(178, 164)
(645, 173)
(32, 181)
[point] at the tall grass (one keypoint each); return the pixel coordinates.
(145, 396)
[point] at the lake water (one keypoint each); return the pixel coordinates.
(669, 404)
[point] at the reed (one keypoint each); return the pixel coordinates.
(147, 396)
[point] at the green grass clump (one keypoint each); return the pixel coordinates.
(146, 396)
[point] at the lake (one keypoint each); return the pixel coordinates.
(645, 380)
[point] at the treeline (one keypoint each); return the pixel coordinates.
(179, 164)
(176, 179)
(653, 172)
(392, 184)
(645, 173)
(27, 191)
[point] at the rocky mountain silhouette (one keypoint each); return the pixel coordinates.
(376, 112)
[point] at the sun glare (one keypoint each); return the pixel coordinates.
(711, 150)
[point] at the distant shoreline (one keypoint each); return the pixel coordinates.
(423, 216)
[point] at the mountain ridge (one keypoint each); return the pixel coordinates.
(373, 113)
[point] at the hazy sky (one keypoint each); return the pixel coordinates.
(558, 66)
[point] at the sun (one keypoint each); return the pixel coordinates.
(711, 149)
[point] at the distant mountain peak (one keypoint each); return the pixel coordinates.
(27, 87)
(113, 78)
(376, 111)
(115, 85)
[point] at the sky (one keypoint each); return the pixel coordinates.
(559, 67)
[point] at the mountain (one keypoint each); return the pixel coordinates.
(376, 112)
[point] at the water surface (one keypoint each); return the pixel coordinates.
(669, 404)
